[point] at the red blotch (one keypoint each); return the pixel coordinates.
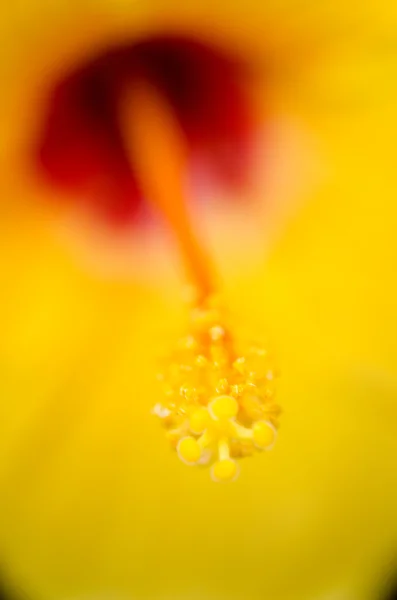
(80, 149)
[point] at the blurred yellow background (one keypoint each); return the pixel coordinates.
(93, 503)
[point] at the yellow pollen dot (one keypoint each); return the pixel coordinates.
(264, 434)
(189, 450)
(198, 421)
(223, 407)
(224, 470)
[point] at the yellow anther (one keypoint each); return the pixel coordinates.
(199, 420)
(264, 434)
(223, 407)
(224, 470)
(189, 450)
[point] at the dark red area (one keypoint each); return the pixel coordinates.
(80, 148)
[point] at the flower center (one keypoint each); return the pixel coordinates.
(81, 150)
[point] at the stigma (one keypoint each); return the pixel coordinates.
(218, 395)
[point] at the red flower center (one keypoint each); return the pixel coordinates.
(80, 148)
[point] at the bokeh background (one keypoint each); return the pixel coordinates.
(288, 113)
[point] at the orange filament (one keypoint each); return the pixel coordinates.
(155, 144)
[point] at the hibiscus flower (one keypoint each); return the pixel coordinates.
(285, 118)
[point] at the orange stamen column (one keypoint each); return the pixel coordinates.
(218, 395)
(155, 145)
